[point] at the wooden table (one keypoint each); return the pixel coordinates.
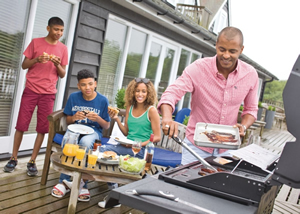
(101, 172)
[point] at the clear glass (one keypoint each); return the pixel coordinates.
(154, 55)
(257, 140)
(13, 24)
(92, 158)
(136, 148)
(135, 55)
(183, 62)
(80, 153)
(167, 68)
(113, 51)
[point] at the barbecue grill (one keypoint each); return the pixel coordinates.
(240, 180)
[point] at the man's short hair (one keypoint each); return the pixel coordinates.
(84, 74)
(55, 21)
(230, 33)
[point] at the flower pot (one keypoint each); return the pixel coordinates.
(269, 118)
(259, 113)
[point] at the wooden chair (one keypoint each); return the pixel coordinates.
(58, 125)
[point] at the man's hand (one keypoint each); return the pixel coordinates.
(169, 126)
(241, 129)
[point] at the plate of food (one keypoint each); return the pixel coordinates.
(81, 129)
(217, 136)
(131, 165)
(108, 157)
(122, 140)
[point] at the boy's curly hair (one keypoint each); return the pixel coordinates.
(130, 94)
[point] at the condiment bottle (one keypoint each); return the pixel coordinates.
(149, 152)
(97, 143)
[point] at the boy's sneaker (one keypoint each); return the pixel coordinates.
(11, 165)
(31, 168)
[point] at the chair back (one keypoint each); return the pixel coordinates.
(181, 115)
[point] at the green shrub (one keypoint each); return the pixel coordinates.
(186, 120)
(260, 104)
(241, 108)
(272, 108)
(119, 99)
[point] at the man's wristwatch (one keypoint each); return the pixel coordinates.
(245, 129)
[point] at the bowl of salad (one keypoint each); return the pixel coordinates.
(131, 165)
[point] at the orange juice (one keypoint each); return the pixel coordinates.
(70, 149)
(80, 154)
(92, 159)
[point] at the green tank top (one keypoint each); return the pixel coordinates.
(139, 127)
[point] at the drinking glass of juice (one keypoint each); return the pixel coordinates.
(92, 158)
(80, 152)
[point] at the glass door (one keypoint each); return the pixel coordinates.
(162, 61)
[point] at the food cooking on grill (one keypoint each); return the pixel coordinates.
(206, 171)
(220, 137)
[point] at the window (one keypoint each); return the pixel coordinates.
(113, 52)
(13, 20)
(154, 55)
(134, 56)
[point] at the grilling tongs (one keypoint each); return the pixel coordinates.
(204, 163)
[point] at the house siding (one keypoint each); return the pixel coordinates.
(88, 43)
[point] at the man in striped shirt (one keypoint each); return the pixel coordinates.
(218, 85)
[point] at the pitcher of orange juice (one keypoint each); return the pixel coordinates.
(70, 143)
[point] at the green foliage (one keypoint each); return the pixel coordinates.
(186, 120)
(274, 89)
(241, 108)
(260, 104)
(272, 108)
(119, 99)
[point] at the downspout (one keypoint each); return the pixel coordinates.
(178, 20)
(263, 88)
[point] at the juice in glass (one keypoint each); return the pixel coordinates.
(80, 154)
(92, 159)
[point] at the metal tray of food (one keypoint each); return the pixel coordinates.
(217, 136)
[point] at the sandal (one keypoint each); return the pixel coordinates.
(61, 188)
(84, 194)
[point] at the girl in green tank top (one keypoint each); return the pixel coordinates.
(141, 118)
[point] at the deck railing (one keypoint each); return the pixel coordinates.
(198, 14)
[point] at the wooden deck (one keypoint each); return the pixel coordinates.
(22, 194)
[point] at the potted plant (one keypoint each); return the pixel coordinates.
(269, 118)
(119, 99)
(260, 110)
